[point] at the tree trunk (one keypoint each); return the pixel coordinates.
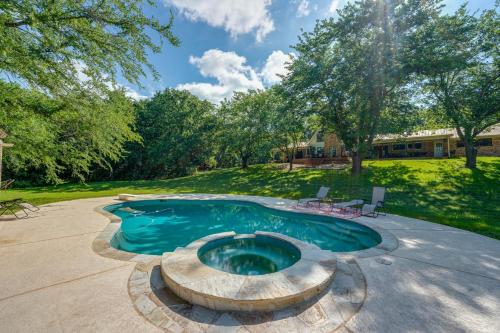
(470, 155)
(290, 159)
(356, 163)
(244, 162)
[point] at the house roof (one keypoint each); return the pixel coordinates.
(492, 131)
(303, 144)
(434, 134)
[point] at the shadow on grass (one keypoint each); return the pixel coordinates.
(441, 191)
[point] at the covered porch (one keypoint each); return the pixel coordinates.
(318, 155)
(436, 147)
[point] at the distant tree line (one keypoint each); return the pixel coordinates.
(382, 66)
(182, 134)
(171, 134)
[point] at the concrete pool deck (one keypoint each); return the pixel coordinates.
(439, 279)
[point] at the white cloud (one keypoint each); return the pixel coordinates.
(303, 9)
(214, 93)
(233, 74)
(334, 5)
(228, 69)
(129, 92)
(235, 16)
(275, 64)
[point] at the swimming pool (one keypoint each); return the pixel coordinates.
(157, 226)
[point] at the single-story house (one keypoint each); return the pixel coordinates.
(327, 148)
(435, 143)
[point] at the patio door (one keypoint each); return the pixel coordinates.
(385, 151)
(438, 149)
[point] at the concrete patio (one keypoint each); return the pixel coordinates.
(439, 279)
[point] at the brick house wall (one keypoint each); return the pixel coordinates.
(428, 148)
(331, 141)
(385, 148)
(493, 150)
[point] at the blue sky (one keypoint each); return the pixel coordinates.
(229, 45)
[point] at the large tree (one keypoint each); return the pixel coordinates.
(72, 119)
(52, 44)
(289, 121)
(247, 121)
(348, 68)
(59, 139)
(177, 130)
(457, 58)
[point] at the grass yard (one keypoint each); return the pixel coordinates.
(440, 191)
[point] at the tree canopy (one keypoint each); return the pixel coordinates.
(457, 59)
(247, 120)
(348, 68)
(290, 121)
(382, 66)
(57, 140)
(177, 131)
(62, 108)
(51, 44)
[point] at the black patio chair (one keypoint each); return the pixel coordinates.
(10, 206)
(6, 184)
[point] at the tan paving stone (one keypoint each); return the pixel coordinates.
(440, 280)
(38, 265)
(99, 303)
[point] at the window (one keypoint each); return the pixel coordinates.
(312, 151)
(488, 142)
(415, 145)
(333, 152)
(317, 152)
(319, 137)
(399, 146)
(484, 143)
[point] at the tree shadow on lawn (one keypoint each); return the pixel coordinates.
(456, 196)
(441, 192)
(472, 197)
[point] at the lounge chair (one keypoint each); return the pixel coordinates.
(6, 184)
(377, 203)
(320, 196)
(11, 207)
(347, 204)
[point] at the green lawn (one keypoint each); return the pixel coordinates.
(440, 191)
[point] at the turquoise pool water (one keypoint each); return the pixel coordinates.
(157, 226)
(249, 255)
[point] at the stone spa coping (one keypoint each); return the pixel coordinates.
(199, 284)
